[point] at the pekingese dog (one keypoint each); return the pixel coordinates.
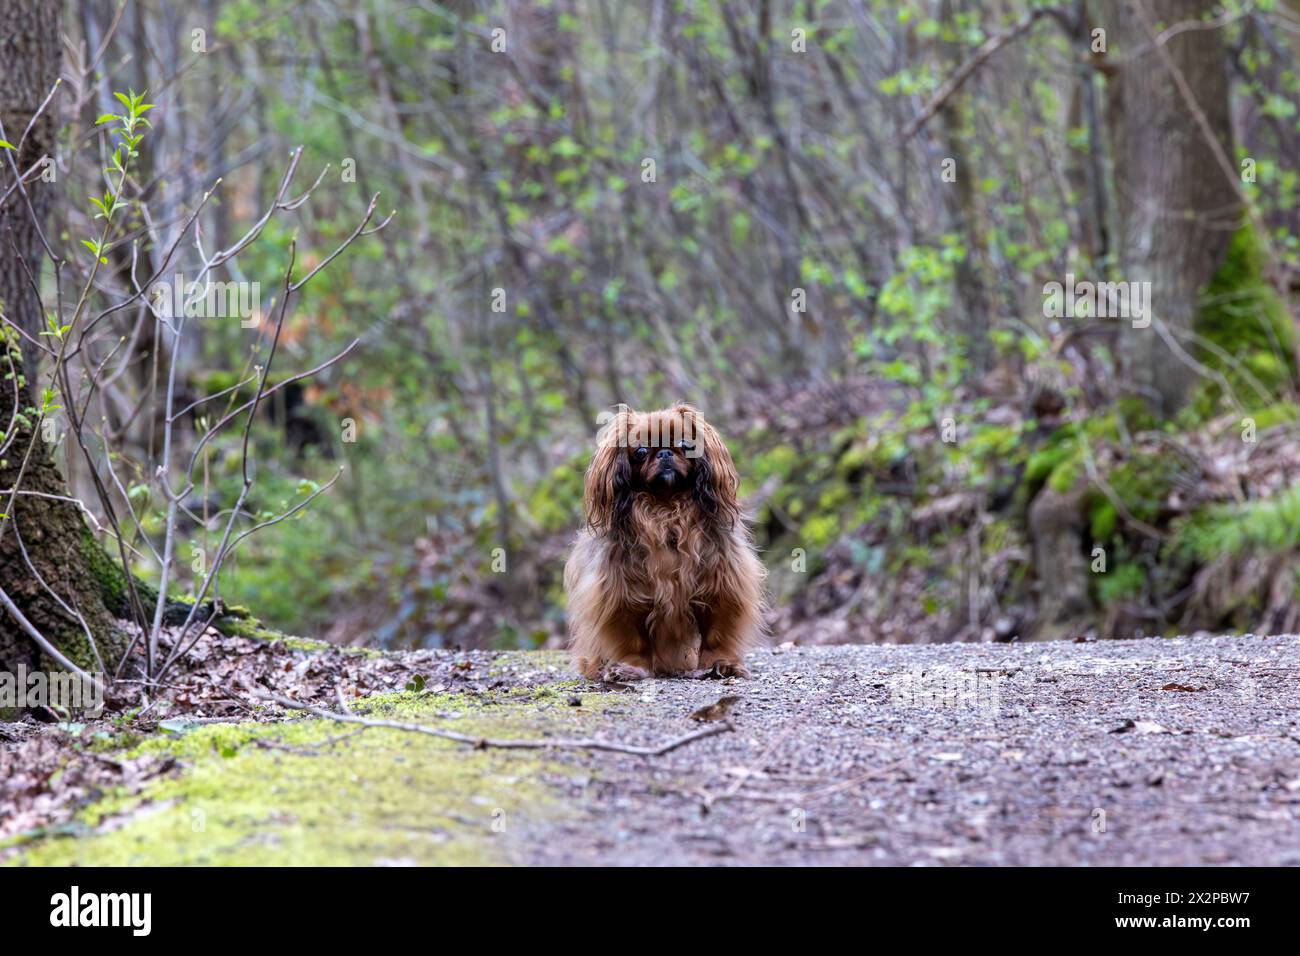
(663, 578)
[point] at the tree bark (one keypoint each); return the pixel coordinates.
(1057, 525)
(1177, 207)
(44, 542)
(963, 208)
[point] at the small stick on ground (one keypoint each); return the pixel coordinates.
(312, 751)
(483, 743)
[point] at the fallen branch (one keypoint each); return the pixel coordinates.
(484, 743)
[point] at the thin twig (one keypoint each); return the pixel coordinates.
(483, 743)
(7, 603)
(977, 59)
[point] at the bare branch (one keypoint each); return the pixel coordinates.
(976, 60)
(484, 743)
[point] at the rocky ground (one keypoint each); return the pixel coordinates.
(1155, 752)
(1165, 752)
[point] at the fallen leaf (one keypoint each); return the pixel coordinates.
(716, 711)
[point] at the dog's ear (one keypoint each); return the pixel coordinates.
(715, 475)
(608, 488)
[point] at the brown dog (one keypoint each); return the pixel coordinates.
(663, 579)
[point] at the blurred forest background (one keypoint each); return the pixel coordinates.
(831, 224)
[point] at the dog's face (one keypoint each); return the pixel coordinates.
(662, 450)
(667, 454)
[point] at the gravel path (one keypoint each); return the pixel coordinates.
(1164, 752)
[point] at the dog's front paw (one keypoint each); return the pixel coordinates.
(722, 669)
(617, 672)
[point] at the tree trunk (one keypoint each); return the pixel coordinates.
(1177, 206)
(51, 582)
(963, 208)
(1057, 526)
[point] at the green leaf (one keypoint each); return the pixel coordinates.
(177, 725)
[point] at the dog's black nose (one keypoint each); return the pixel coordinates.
(664, 453)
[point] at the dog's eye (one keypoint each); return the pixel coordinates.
(686, 444)
(641, 452)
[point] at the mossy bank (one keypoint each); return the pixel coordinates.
(313, 791)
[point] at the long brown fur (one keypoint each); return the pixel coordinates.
(663, 580)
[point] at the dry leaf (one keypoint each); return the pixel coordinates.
(716, 711)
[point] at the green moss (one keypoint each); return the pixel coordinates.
(107, 571)
(292, 793)
(1068, 471)
(1124, 581)
(1271, 526)
(1141, 484)
(115, 592)
(1103, 519)
(1060, 464)
(1242, 315)
(1043, 463)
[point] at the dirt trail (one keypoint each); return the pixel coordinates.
(1182, 751)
